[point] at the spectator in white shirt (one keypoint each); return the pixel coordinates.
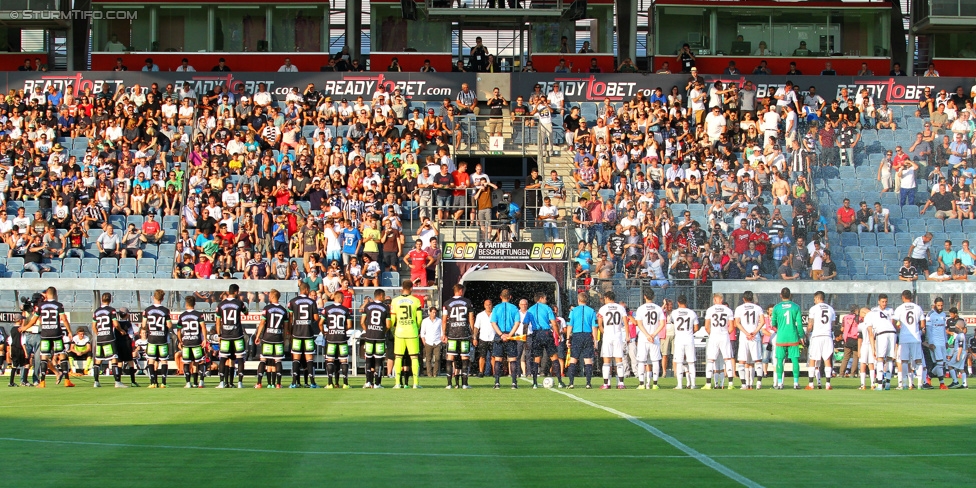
(486, 337)
(556, 99)
(430, 335)
(185, 67)
(288, 67)
(548, 213)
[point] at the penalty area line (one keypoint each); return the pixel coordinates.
(702, 458)
(339, 453)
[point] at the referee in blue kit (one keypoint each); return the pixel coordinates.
(503, 318)
(582, 324)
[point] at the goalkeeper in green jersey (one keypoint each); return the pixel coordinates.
(788, 323)
(406, 315)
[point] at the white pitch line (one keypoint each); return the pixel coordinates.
(342, 453)
(702, 458)
(828, 456)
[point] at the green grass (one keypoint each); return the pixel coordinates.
(481, 437)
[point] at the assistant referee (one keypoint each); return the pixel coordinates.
(582, 324)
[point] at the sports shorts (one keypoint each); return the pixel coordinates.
(105, 352)
(648, 351)
(718, 348)
(302, 346)
(581, 346)
(750, 351)
(910, 351)
(611, 347)
(157, 351)
(791, 352)
(544, 344)
(409, 346)
(865, 353)
(272, 350)
(505, 349)
(821, 348)
(684, 353)
(956, 365)
(373, 348)
(885, 345)
(337, 350)
(939, 353)
(194, 354)
(459, 347)
(231, 348)
(49, 347)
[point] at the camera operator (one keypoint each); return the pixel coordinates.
(508, 213)
(31, 335)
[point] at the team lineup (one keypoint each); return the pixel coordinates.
(904, 342)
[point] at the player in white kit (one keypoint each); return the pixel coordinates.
(718, 318)
(865, 357)
(956, 359)
(820, 322)
(911, 323)
(749, 322)
(882, 333)
(935, 341)
(650, 322)
(612, 322)
(685, 323)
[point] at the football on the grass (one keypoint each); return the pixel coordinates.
(547, 382)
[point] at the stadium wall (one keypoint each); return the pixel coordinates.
(433, 87)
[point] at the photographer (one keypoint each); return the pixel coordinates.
(508, 214)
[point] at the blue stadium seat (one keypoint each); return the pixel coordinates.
(953, 225)
(390, 278)
(886, 239)
(146, 265)
(30, 274)
(867, 239)
(848, 239)
(88, 274)
(15, 264)
(125, 274)
(144, 275)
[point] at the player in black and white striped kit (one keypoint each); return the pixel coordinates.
(53, 321)
(105, 322)
(375, 322)
(191, 333)
(229, 313)
(270, 336)
(457, 317)
(155, 320)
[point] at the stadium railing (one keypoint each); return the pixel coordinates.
(502, 136)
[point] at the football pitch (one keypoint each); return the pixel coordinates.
(482, 437)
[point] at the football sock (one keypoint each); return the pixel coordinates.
(828, 372)
(13, 373)
(165, 371)
(515, 369)
(534, 369)
(757, 375)
(813, 371)
(572, 372)
(606, 373)
(919, 374)
(152, 374)
(690, 371)
(240, 370)
(497, 369)
(42, 369)
(330, 370)
(261, 368)
(588, 372)
(295, 370)
(952, 374)
(132, 374)
(345, 373)
(378, 374)
(796, 370)
(641, 372)
(195, 376)
(655, 371)
(679, 374)
(97, 370)
(186, 372)
(620, 373)
(65, 369)
(962, 378)
(779, 371)
(450, 371)
(465, 367)
(415, 370)
(709, 368)
(902, 373)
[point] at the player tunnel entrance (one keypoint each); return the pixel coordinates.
(487, 284)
